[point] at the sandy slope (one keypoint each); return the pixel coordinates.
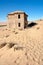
(31, 39)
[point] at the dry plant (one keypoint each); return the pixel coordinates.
(40, 19)
(16, 32)
(6, 29)
(11, 44)
(37, 27)
(2, 44)
(13, 31)
(7, 36)
(18, 47)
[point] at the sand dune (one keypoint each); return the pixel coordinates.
(27, 49)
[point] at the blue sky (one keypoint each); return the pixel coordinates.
(34, 8)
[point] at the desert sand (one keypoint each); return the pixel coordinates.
(22, 47)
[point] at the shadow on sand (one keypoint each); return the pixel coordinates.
(32, 24)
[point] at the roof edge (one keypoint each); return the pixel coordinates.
(17, 12)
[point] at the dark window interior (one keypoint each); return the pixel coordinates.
(19, 24)
(19, 16)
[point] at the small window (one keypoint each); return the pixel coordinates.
(19, 24)
(19, 16)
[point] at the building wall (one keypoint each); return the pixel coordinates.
(25, 21)
(21, 21)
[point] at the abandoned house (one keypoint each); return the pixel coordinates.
(17, 20)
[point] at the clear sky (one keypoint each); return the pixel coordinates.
(34, 8)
